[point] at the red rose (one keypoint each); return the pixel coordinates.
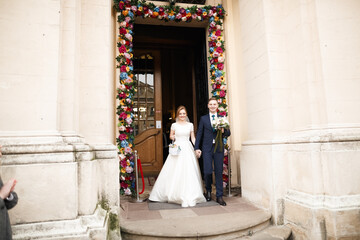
(123, 31)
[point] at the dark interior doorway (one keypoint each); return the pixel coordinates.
(183, 70)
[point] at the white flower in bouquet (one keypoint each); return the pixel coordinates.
(221, 122)
(174, 149)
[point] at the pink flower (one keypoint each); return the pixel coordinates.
(133, 8)
(219, 50)
(129, 36)
(222, 113)
(129, 169)
(218, 33)
(212, 24)
(122, 95)
(222, 93)
(220, 66)
(123, 115)
(127, 55)
(123, 68)
(221, 59)
(216, 54)
(223, 87)
(127, 150)
(122, 136)
(122, 156)
(123, 163)
(122, 49)
(213, 37)
(122, 128)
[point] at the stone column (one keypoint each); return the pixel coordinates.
(299, 159)
(51, 55)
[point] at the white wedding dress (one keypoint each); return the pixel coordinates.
(179, 180)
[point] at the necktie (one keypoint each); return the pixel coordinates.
(213, 117)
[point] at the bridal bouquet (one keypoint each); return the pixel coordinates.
(174, 149)
(220, 123)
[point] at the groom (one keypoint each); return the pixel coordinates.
(207, 135)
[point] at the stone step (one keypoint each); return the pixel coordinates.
(234, 221)
(272, 233)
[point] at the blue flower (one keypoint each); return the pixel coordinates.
(131, 32)
(212, 19)
(156, 9)
(131, 14)
(212, 66)
(187, 11)
(124, 143)
(123, 75)
(131, 68)
(211, 49)
(218, 73)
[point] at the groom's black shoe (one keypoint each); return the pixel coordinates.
(208, 196)
(220, 201)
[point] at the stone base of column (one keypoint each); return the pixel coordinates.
(323, 217)
(61, 181)
(93, 226)
(309, 180)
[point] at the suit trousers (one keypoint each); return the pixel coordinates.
(218, 159)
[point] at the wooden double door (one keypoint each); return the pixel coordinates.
(169, 71)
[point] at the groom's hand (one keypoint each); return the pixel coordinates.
(198, 153)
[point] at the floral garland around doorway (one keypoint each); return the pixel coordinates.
(128, 10)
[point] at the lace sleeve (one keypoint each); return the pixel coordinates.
(172, 127)
(191, 127)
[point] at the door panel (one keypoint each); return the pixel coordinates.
(148, 110)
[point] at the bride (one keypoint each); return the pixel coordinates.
(179, 180)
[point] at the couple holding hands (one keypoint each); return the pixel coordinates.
(179, 180)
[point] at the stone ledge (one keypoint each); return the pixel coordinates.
(84, 227)
(272, 233)
(314, 201)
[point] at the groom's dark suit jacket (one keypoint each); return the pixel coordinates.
(206, 135)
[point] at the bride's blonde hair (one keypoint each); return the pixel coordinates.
(179, 109)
